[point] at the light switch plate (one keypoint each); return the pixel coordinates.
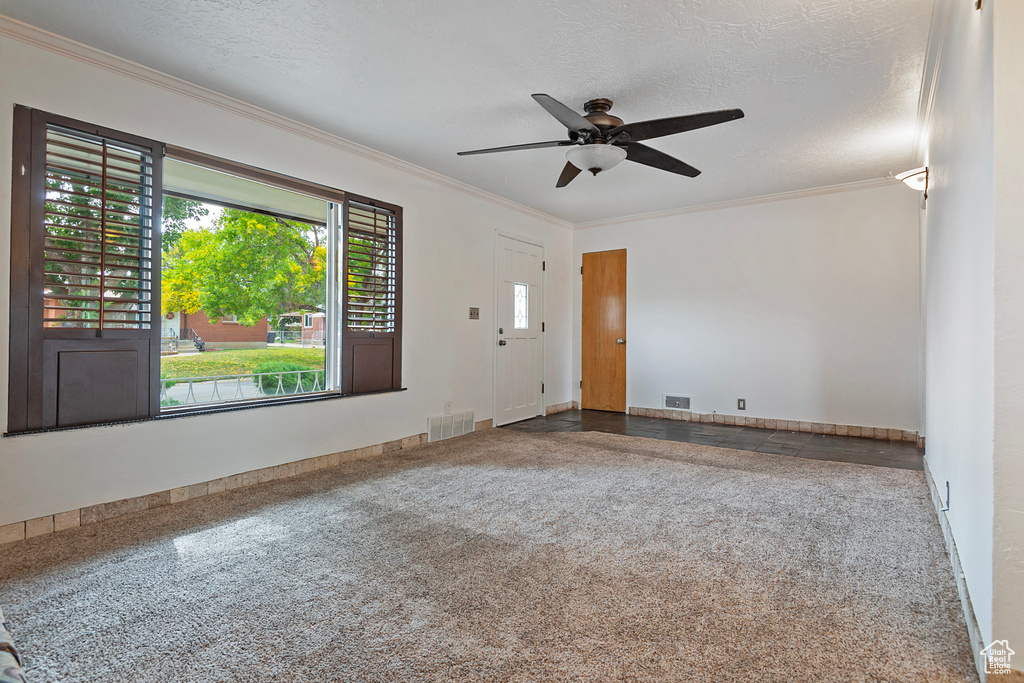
(474, 313)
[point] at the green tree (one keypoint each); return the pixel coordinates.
(247, 264)
(176, 213)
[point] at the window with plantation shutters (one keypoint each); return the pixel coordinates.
(371, 306)
(84, 346)
(86, 262)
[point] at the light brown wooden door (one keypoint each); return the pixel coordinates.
(604, 331)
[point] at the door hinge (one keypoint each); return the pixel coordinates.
(542, 387)
(581, 270)
(581, 384)
(542, 327)
(543, 265)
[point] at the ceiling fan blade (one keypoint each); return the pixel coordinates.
(566, 116)
(568, 173)
(656, 128)
(529, 145)
(648, 156)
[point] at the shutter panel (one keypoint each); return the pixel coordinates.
(98, 232)
(93, 272)
(372, 297)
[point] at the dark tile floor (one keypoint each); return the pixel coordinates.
(799, 444)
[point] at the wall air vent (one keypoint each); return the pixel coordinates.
(447, 426)
(677, 402)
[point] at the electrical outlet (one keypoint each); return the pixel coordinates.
(741, 403)
(447, 407)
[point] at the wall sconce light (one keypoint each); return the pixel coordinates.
(915, 179)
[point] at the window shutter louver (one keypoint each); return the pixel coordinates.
(84, 345)
(371, 269)
(98, 227)
(371, 307)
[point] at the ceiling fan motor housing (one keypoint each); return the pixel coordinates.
(597, 114)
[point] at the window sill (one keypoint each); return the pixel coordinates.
(211, 409)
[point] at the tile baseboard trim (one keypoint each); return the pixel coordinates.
(790, 425)
(561, 407)
(41, 526)
(973, 630)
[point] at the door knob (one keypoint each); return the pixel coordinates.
(620, 341)
(501, 342)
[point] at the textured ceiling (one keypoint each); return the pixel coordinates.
(830, 87)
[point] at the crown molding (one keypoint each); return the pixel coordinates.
(937, 31)
(747, 201)
(51, 42)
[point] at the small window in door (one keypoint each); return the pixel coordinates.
(522, 306)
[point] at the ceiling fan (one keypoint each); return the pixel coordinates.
(599, 140)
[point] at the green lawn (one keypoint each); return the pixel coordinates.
(238, 362)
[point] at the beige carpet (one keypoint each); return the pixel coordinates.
(503, 556)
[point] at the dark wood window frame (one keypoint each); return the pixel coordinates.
(28, 388)
(259, 175)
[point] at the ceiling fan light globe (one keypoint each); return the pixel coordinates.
(596, 157)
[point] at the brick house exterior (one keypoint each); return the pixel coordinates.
(313, 325)
(226, 335)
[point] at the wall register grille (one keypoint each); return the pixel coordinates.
(677, 402)
(447, 426)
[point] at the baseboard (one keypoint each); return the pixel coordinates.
(973, 630)
(561, 407)
(773, 423)
(71, 519)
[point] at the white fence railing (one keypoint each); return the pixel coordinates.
(310, 339)
(223, 388)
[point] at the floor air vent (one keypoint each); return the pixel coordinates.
(447, 426)
(677, 402)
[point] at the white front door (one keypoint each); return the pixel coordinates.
(520, 345)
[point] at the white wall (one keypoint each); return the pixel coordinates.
(960, 309)
(808, 308)
(1008, 455)
(449, 247)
